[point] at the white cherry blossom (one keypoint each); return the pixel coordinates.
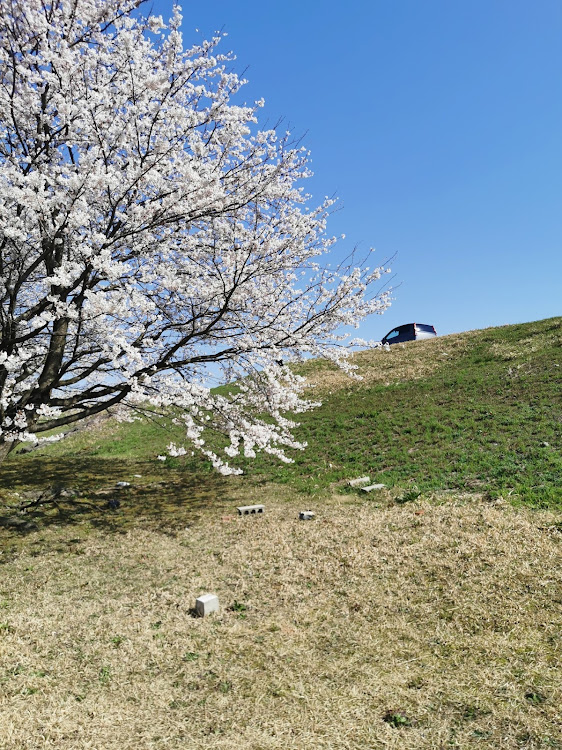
(149, 229)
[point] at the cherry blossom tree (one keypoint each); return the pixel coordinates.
(148, 229)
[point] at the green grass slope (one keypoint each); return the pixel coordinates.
(474, 412)
(478, 411)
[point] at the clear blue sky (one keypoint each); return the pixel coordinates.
(438, 125)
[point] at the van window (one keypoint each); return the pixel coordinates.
(423, 327)
(393, 334)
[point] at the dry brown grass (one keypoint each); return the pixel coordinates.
(418, 359)
(446, 612)
(402, 363)
(538, 340)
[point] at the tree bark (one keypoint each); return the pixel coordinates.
(5, 449)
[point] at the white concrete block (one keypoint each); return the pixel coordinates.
(206, 604)
(373, 487)
(357, 482)
(246, 510)
(307, 515)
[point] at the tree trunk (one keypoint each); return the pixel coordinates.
(6, 449)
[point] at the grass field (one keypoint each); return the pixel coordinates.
(427, 615)
(477, 411)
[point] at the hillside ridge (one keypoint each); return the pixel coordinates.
(479, 411)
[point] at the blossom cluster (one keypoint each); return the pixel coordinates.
(149, 229)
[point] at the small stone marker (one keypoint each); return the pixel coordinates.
(307, 515)
(206, 604)
(357, 482)
(246, 510)
(373, 487)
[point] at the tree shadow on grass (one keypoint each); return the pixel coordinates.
(65, 491)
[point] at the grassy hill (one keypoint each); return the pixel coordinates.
(432, 623)
(478, 411)
(473, 412)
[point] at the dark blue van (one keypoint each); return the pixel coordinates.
(409, 332)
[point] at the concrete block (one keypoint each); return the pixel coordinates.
(373, 487)
(359, 481)
(307, 515)
(206, 604)
(246, 510)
